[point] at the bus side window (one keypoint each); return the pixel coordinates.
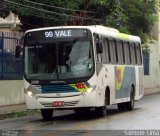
(106, 53)
(99, 57)
(133, 55)
(98, 41)
(126, 53)
(138, 53)
(113, 51)
(120, 52)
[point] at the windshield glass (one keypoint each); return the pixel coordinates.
(65, 58)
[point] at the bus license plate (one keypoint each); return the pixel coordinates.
(58, 103)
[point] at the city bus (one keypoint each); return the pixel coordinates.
(81, 68)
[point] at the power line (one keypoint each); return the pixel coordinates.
(51, 12)
(51, 18)
(131, 25)
(45, 17)
(30, 24)
(59, 7)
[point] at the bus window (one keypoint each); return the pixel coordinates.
(112, 49)
(106, 53)
(126, 53)
(120, 52)
(133, 55)
(138, 53)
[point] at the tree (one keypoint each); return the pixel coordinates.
(140, 17)
(129, 16)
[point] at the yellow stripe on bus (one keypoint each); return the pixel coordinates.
(123, 36)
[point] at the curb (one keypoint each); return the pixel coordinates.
(12, 108)
(151, 91)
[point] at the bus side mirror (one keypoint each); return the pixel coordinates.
(99, 47)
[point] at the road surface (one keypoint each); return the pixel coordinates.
(145, 116)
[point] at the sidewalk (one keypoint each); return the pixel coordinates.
(149, 91)
(12, 108)
(22, 107)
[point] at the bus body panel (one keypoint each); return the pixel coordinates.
(139, 84)
(83, 100)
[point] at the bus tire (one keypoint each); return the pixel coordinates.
(80, 111)
(102, 111)
(130, 104)
(47, 114)
(121, 106)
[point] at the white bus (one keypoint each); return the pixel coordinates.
(81, 67)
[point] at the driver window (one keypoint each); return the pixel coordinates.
(98, 55)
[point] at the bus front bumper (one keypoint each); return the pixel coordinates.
(71, 102)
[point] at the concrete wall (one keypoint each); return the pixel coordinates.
(11, 92)
(153, 79)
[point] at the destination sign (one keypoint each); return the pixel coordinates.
(64, 33)
(52, 34)
(58, 33)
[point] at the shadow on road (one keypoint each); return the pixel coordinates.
(87, 116)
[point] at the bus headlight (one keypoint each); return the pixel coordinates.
(31, 94)
(90, 89)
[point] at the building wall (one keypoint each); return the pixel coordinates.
(153, 79)
(11, 92)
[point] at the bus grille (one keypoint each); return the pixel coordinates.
(66, 104)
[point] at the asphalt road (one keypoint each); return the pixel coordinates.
(145, 116)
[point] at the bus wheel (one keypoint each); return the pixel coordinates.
(102, 111)
(130, 104)
(121, 106)
(47, 114)
(79, 111)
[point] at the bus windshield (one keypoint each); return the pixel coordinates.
(58, 59)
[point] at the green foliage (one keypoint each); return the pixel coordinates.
(140, 17)
(134, 17)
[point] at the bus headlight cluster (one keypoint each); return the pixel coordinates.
(90, 89)
(31, 94)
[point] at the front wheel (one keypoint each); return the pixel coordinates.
(102, 111)
(80, 111)
(47, 114)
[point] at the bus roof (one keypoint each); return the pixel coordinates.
(99, 29)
